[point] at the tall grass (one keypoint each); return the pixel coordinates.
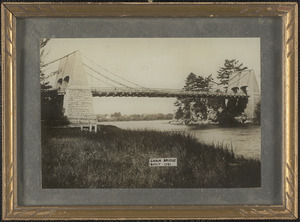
(115, 158)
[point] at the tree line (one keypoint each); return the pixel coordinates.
(117, 116)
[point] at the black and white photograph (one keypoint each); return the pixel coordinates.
(150, 112)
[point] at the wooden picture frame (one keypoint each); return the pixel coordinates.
(11, 12)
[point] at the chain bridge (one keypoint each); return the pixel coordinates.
(80, 81)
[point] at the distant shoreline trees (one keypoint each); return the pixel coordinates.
(117, 116)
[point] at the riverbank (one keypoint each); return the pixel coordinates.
(244, 140)
(208, 123)
(116, 158)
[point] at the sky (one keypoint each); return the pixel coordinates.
(152, 63)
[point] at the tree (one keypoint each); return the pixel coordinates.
(179, 113)
(197, 83)
(190, 82)
(191, 107)
(51, 102)
(230, 66)
(234, 107)
(51, 108)
(43, 79)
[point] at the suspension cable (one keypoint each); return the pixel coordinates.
(114, 73)
(237, 79)
(100, 80)
(106, 76)
(56, 60)
(236, 75)
(52, 74)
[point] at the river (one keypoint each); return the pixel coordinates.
(245, 141)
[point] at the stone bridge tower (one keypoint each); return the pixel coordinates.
(246, 82)
(71, 80)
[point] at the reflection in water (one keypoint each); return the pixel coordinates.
(245, 141)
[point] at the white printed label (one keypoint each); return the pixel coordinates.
(158, 162)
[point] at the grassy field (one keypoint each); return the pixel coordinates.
(115, 158)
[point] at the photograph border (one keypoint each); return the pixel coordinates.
(288, 12)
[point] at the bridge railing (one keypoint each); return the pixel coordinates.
(161, 90)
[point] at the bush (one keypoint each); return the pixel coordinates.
(52, 109)
(257, 113)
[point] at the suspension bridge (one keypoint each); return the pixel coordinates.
(79, 78)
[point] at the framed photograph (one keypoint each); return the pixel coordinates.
(149, 111)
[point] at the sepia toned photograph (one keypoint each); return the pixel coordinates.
(150, 112)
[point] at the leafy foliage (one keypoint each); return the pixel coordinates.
(43, 79)
(189, 108)
(230, 66)
(197, 83)
(257, 113)
(235, 107)
(51, 102)
(51, 108)
(179, 113)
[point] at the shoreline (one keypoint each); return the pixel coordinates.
(197, 126)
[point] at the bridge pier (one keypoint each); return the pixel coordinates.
(246, 82)
(78, 106)
(72, 82)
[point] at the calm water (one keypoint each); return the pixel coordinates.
(245, 141)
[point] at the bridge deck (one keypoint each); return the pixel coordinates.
(131, 92)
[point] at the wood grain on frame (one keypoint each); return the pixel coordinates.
(289, 14)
